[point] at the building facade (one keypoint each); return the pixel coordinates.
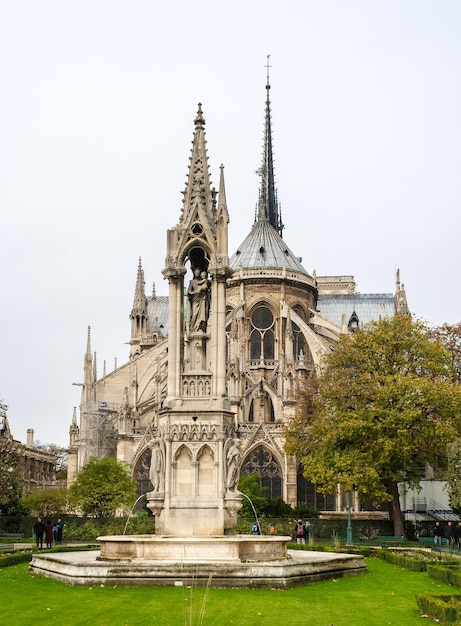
(279, 322)
(39, 466)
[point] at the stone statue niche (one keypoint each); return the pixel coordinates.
(199, 294)
(198, 332)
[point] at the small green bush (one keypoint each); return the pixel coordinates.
(448, 572)
(416, 560)
(305, 512)
(441, 608)
(14, 559)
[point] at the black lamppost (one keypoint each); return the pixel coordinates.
(349, 541)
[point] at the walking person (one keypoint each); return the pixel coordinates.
(49, 534)
(39, 529)
(438, 532)
(450, 535)
(299, 532)
(457, 532)
(307, 531)
(59, 529)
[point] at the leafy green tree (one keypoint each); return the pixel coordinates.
(102, 487)
(249, 485)
(385, 407)
(11, 472)
(454, 474)
(450, 336)
(46, 502)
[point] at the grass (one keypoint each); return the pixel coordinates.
(384, 595)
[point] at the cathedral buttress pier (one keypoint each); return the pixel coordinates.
(196, 453)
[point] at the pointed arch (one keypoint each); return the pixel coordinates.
(264, 461)
(206, 471)
(261, 391)
(183, 472)
(141, 472)
(263, 320)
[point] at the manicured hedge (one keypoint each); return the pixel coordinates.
(446, 572)
(417, 561)
(14, 559)
(441, 608)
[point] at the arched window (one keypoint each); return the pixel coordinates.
(262, 334)
(299, 343)
(308, 494)
(261, 461)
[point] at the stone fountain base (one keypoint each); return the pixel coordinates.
(229, 561)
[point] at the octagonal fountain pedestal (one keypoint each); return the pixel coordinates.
(227, 561)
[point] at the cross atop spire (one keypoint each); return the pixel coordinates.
(268, 205)
(267, 67)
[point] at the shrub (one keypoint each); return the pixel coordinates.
(88, 530)
(441, 608)
(415, 560)
(301, 510)
(277, 507)
(14, 559)
(448, 572)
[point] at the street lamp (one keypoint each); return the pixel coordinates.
(349, 541)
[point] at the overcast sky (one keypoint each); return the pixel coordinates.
(97, 106)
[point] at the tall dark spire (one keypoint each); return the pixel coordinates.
(268, 206)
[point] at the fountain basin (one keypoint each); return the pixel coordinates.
(298, 568)
(222, 549)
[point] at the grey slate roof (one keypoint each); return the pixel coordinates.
(264, 248)
(368, 306)
(157, 308)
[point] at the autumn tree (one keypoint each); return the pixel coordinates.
(383, 407)
(102, 487)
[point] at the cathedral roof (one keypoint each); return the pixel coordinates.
(157, 315)
(264, 248)
(366, 306)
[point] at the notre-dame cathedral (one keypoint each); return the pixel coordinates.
(276, 322)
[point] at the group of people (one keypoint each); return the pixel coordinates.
(302, 531)
(51, 532)
(451, 533)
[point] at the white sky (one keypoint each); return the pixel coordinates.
(97, 106)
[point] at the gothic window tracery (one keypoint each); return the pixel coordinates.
(262, 333)
(262, 462)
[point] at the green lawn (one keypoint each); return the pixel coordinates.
(384, 595)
